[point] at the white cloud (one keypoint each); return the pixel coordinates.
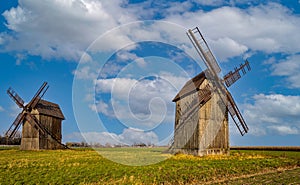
(120, 87)
(85, 73)
(14, 110)
(89, 97)
(132, 136)
(129, 136)
(127, 56)
(284, 130)
(64, 29)
(264, 28)
(273, 113)
(1, 109)
(16, 17)
(288, 68)
(228, 48)
(61, 29)
(85, 58)
(141, 62)
(142, 103)
(101, 107)
(19, 58)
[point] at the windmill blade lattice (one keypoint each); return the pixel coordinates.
(10, 133)
(16, 98)
(236, 115)
(231, 77)
(203, 50)
(38, 96)
(210, 61)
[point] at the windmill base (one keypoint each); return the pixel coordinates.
(198, 152)
(29, 144)
(39, 144)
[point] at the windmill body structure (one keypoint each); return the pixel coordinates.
(41, 122)
(203, 105)
(196, 132)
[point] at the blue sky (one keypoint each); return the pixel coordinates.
(114, 66)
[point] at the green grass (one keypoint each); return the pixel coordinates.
(134, 156)
(86, 166)
(275, 177)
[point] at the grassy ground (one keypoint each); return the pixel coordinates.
(280, 176)
(134, 156)
(86, 166)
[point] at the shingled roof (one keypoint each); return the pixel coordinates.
(190, 86)
(50, 109)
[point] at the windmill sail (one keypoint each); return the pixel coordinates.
(19, 101)
(10, 133)
(203, 50)
(231, 77)
(212, 73)
(38, 96)
(236, 115)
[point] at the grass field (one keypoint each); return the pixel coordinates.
(86, 166)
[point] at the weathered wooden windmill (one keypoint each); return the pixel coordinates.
(41, 122)
(203, 104)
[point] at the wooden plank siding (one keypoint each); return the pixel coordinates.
(200, 130)
(53, 125)
(30, 135)
(50, 117)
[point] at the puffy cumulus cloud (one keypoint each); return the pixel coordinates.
(85, 73)
(228, 48)
(129, 136)
(288, 68)
(274, 113)
(102, 107)
(259, 28)
(284, 130)
(129, 56)
(120, 87)
(132, 136)
(126, 55)
(64, 29)
(142, 103)
(60, 29)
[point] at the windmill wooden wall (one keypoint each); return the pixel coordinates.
(200, 129)
(50, 116)
(30, 137)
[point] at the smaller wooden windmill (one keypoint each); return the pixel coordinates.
(41, 122)
(203, 104)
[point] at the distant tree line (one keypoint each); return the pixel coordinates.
(11, 141)
(107, 145)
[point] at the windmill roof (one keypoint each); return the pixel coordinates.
(50, 109)
(190, 86)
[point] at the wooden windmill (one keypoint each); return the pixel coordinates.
(203, 104)
(41, 122)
